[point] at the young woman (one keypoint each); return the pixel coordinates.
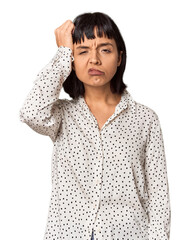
(109, 174)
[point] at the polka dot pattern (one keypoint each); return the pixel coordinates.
(111, 180)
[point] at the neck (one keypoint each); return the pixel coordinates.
(100, 96)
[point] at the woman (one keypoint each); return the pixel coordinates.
(109, 174)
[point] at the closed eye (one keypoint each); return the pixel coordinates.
(82, 52)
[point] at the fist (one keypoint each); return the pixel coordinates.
(63, 34)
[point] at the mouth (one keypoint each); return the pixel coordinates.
(95, 72)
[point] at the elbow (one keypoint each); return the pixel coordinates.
(22, 116)
(25, 116)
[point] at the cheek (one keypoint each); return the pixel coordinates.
(78, 66)
(112, 67)
(80, 69)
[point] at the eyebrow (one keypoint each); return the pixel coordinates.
(99, 45)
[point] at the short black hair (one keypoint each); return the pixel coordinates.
(84, 25)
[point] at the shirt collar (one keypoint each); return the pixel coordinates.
(126, 102)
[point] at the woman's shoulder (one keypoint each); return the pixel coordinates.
(67, 103)
(146, 112)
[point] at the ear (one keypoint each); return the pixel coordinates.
(119, 58)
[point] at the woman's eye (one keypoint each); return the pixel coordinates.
(82, 52)
(106, 50)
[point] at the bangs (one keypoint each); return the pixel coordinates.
(86, 25)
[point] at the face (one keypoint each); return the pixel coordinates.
(96, 60)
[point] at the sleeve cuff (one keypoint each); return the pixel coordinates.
(65, 50)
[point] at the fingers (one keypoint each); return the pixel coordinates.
(70, 27)
(66, 25)
(64, 34)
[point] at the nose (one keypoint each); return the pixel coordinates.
(94, 58)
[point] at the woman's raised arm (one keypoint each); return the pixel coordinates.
(42, 109)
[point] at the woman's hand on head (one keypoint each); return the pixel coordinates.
(63, 34)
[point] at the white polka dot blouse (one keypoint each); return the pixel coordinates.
(111, 180)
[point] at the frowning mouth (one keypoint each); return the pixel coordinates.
(95, 72)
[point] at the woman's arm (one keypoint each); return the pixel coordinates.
(157, 184)
(42, 108)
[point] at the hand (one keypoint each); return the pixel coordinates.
(63, 34)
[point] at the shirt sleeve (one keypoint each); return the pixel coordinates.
(42, 107)
(159, 210)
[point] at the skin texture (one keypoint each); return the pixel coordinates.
(99, 53)
(63, 34)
